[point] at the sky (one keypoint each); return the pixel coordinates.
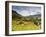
(27, 10)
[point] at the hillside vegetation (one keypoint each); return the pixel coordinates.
(25, 23)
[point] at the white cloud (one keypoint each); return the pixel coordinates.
(24, 13)
(27, 11)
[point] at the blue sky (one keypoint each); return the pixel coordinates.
(27, 10)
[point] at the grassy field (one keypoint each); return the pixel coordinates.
(24, 25)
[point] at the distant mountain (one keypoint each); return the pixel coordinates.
(38, 15)
(15, 15)
(14, 12)
(18, 16)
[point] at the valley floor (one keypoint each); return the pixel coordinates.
(24, 25)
